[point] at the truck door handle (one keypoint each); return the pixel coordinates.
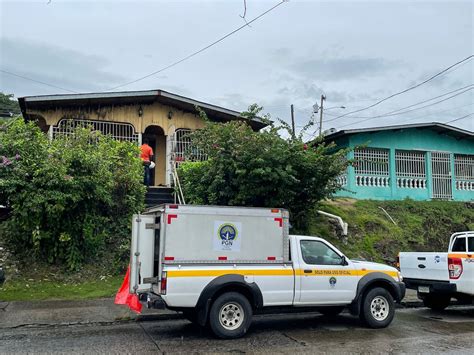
(307, 271)
(421, 258)
(421, 266)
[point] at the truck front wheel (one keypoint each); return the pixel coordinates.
(378, 308)
(436, 302)
(230, 315)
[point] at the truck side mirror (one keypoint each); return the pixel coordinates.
(344, 261)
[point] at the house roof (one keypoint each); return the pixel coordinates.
(455, 132)
(215, 113)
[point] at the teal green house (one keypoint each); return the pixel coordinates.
(418, 161)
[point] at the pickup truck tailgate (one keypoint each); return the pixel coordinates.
(426, 266)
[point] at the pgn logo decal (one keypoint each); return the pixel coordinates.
(228, 233)
(227, 236)
(332, 281)
(437, 259)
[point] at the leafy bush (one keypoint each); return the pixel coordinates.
(247, 168)
(70, 198)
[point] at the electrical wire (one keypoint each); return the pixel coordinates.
(460, 118)
(411, 87)
(37, 81)
(407, 111)
(394, 112)
(200, 50)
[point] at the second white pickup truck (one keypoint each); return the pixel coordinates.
(438, 277)
(221, 265)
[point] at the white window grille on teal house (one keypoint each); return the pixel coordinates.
(464, 172)
(371, 166)
(410, 169)
(116, 130)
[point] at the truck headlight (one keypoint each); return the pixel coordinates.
(400, 277)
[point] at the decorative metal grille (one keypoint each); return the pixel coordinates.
(464, 172)
(118, 131)
(441, 172)
(371, 167)
(182, 149)
(410, 169)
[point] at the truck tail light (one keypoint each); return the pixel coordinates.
(163, 283)
(455, 268)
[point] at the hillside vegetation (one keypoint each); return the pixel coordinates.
(420, 226)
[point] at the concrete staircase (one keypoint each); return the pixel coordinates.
(159, 195)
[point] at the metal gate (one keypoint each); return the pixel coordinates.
(441, 175)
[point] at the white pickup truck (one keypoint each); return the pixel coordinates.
(438, 277)
(221, 265)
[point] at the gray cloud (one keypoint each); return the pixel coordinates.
(56, 65)
(342, 68)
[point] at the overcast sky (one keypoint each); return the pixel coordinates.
(354, 52)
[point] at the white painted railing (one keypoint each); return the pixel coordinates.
(411, 183)
(372, 181)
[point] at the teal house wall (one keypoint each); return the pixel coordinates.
(420, 162)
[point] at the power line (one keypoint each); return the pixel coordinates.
(409, 88)
(393, 113)
(200, 50)
(460, 118)
(407, 111)
(37, 81)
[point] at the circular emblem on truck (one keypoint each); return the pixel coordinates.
(332, 281)
(227, 231)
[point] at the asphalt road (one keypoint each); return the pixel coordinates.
(416, 330)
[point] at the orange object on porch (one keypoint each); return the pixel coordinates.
(124, 296)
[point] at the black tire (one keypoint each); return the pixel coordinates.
(238, 319)
(436, 302)
(378, 308)
(331, 311)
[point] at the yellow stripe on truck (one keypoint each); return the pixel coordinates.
(276, 272)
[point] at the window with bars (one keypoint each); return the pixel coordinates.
(371, 166)
(182, 149)
(410, 169)
(118, 131)
(464, 171)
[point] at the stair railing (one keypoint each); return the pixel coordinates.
(178, 192)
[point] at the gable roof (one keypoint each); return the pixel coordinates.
(215, 113)
(455, 132)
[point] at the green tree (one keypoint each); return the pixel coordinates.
(247, 168)
(70, 198)
(8, 105)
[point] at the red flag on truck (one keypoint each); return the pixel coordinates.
(124, 296)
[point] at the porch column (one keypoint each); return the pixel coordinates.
(168, 160)
(50, 132)
(429, 176)
(351, 183)
(392, 173)
(453, 175)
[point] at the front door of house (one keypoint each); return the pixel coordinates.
(441, 176)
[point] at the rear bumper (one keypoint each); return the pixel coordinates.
(434, 286)
(152, 300)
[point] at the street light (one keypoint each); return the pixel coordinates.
(316, 109)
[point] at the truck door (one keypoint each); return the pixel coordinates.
(323, 277)
(142, 252)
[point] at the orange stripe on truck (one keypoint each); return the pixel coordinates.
(275, 272)
(462, 256)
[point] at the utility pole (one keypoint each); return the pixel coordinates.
(321, 116)
(292, 120)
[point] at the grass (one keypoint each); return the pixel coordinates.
(36, 290)
(420, 226)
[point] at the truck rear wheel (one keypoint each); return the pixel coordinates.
(230, 315)
(436, 302)
(378, 308)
